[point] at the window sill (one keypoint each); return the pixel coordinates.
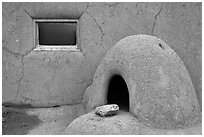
(57, 48)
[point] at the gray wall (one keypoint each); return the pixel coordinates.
(47, 78)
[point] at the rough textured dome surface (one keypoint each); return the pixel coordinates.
(121, 124)
(160, 90)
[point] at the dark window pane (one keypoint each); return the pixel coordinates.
(57, 33)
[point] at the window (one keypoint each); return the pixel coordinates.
(55, 34)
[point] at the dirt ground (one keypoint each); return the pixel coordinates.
(55, 121)
(40, 121)
(18, 122)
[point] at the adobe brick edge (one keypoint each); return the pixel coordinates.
(57, 77)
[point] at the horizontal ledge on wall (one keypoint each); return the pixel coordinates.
(57, 48)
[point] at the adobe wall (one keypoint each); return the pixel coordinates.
(48, 78)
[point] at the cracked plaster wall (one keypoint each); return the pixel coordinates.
(47, 78)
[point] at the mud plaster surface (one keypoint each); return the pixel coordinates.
(56, 78)
(122, 124)
(160, 90)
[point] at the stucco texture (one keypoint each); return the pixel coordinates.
(160, 90)
(122, 124)
(51, 78)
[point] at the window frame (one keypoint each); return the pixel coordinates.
(54, 47)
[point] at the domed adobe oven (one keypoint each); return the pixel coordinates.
(144, 76)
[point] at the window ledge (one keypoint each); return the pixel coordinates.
(57, 48)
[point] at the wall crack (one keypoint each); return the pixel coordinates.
(11, 52)
(100, 28)
(21, 78)
(130, 10)
(96, 23)
(137, 4)
(27, 13)
(155, 20)
(54, 71)
(16, 54)
(85, 9)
